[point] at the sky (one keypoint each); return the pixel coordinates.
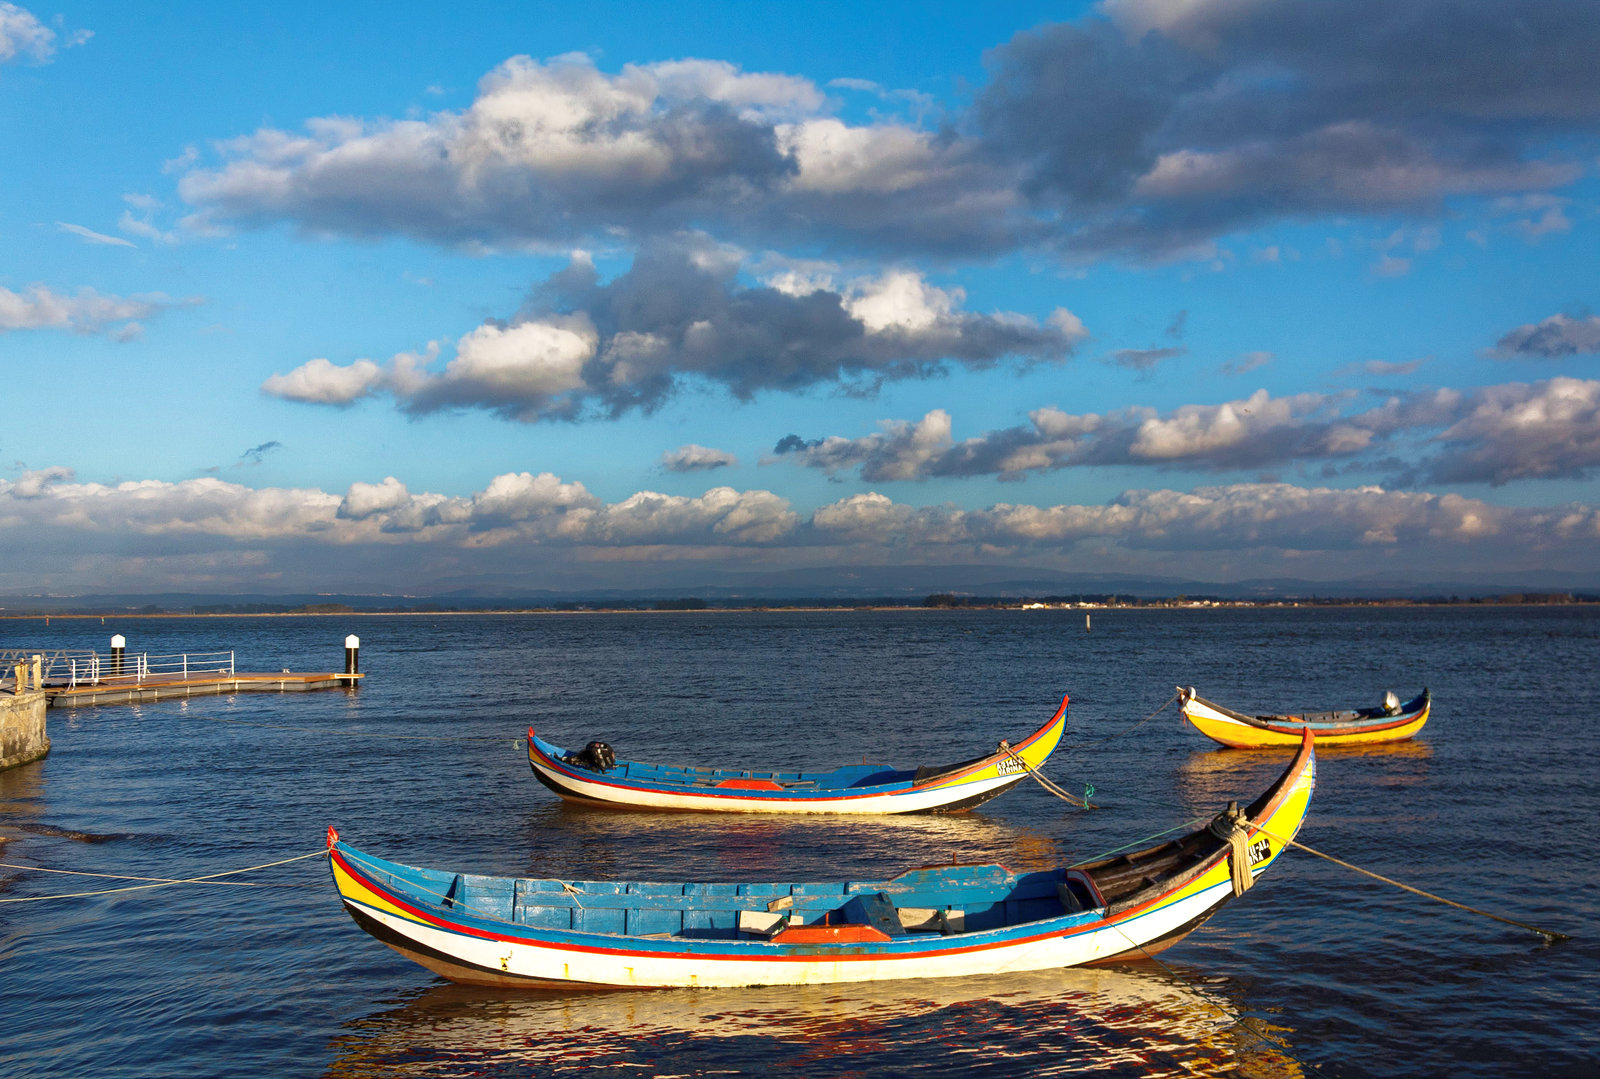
(407, 298)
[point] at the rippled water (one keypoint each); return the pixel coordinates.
(1317, 971)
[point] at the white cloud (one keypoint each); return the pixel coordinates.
(1492, 435)
(1520, 431)
(322, 382)
(86, 311)
(1270, 517)
(1139, 128)
(696, 458)
(528, 361)
(88, 235)
(365, 499)
(22, 34)
(681, 316)
(61, 532)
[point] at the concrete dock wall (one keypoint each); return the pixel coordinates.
(22, 737)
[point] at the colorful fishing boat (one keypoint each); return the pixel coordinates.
(927, 922)
(1390, 722)
(593, 776)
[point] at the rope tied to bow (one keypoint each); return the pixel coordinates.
(1229, 826)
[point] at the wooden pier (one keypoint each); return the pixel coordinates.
(162, 689)
(71, 679)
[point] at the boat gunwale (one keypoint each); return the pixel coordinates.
(1410, 712)
(546, 756)
(1209, 851)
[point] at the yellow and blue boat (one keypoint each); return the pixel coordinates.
(927, 922)
(1390, 722)
(594, 776)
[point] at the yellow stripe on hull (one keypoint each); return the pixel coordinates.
(1033, 755)
(352, 889)
(1244, 736)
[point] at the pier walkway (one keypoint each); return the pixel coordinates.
(73, 679)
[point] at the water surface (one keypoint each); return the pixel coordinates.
(1317, 971)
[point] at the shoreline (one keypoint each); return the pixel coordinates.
(1022, 607)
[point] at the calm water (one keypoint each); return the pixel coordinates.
(1317, 971)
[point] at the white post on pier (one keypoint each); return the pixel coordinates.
(352, 654)
(118, 643)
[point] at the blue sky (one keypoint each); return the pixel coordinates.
(397, 298)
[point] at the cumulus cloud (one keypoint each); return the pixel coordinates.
(680, 315)
(1251, 432)
(557, 151)
(1492, 435)
(1163, 124)
(234, 536)
(322, 382)
(363, 500)
(1143, 128)
(86, 311)
(696, 458)
(1556, 336)
(1240, 516)
(1517, 431)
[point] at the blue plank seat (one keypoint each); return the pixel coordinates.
(875, 909)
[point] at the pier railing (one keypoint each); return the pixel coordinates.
(78, 668)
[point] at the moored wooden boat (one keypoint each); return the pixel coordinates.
(931, 921)
(859, 788)
(1390, 722)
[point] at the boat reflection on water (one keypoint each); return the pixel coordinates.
(1134, 1019)
(1218, 773)
(563, 840)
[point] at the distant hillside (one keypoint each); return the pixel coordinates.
(889, 585)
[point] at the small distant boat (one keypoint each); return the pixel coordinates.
(593, 776)
(928, 922)
(1390, 722)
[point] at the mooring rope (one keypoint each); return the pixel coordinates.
(1045, 781)
(1549, 934)
(1059, 791)
(209, 878)
(124, 876)
(1187, 825)
(1128, 730)
(1229, 827)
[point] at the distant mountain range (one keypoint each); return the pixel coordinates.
(903, 584)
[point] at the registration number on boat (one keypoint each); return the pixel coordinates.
(1009, 766)
(1260, 851)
